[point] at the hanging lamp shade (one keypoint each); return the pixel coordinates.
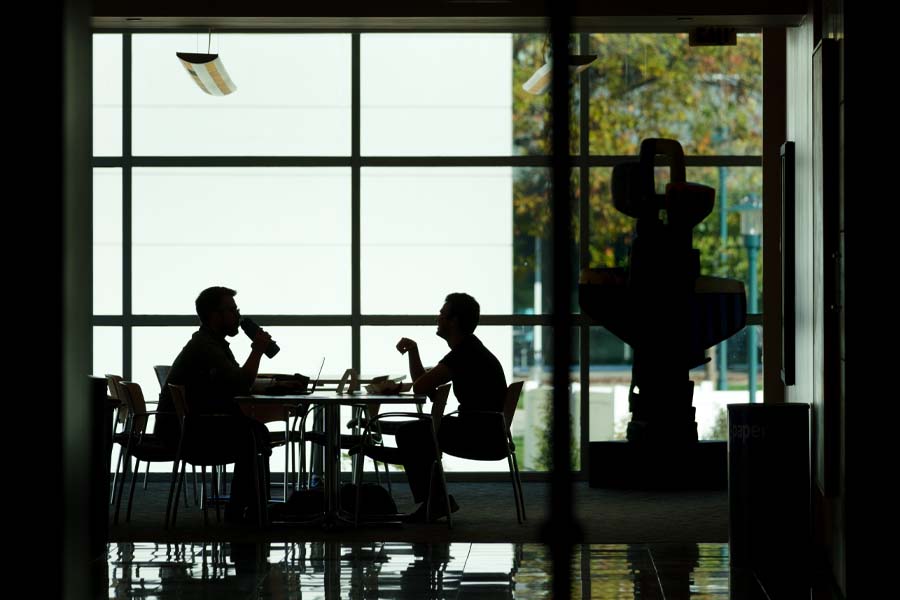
(208, 73)
(543, 77)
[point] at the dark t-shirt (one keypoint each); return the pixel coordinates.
(211, 378)
(478, 380)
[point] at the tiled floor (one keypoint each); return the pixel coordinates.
(399, 570)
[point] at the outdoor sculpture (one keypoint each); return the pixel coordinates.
(660, 304)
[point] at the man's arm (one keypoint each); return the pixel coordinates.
(431, 379)
(411, 349)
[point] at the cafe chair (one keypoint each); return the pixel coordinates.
(493, 447)
(270, 414)
(162, 371)
(119, 428)
(140, 445)
(372, 446)
(201, 451)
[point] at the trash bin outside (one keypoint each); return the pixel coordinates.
(769, 493)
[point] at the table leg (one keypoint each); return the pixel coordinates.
(287, 448)
(332, 466)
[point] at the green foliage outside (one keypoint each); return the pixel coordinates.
(544, 461)
(642, 85)
(720, 428)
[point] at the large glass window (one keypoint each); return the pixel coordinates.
(292, 98)
(281, 237)
(442, 230)
(107, 94)
(107, 243)
(340, 250)
(436, 94)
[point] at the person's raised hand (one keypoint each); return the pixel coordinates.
(405, 345)
(261, 340)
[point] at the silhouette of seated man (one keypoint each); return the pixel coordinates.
(212, 378)
(478, 383)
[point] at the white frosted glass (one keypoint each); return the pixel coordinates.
(107, 357)
(302, 349)
(292, 97)
(155, 346)
(436, 94)
(107, 94)
(107, 243)
(429, 232)
(281, 237)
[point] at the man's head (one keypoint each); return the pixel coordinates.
(458, 316)
(218, 311)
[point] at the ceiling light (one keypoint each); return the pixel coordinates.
(543, 77)
(208, 72)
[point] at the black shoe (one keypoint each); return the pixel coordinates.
(416, 516)
(440, 511)
(420, 515)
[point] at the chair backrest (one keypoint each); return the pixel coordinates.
(178, 399)
(439, 403)
(112, 382)
(162, 372)
(130, 393)
(199, 450)
(512, 401)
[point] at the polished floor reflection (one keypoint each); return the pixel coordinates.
(397, 570)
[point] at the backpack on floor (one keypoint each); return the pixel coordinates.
(374, 499)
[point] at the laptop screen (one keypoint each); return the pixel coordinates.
(319, 374)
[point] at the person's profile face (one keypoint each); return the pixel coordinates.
(443, 322)
(230, 316)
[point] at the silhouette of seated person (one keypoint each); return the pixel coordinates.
(212, 378)
(479, 385)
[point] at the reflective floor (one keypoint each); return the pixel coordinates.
(397, 570)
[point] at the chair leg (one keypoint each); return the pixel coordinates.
(304, 474)
(121, 489)
(112, 493)
(178, 491)
(358, 477)
(146, 474)
(298, 465)
(387, 476)
(512, 477)
(172, 483)
(203, 503)
(217, 487)
(224, 481)
(196, 497)
(519, 484)
(134, 474)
